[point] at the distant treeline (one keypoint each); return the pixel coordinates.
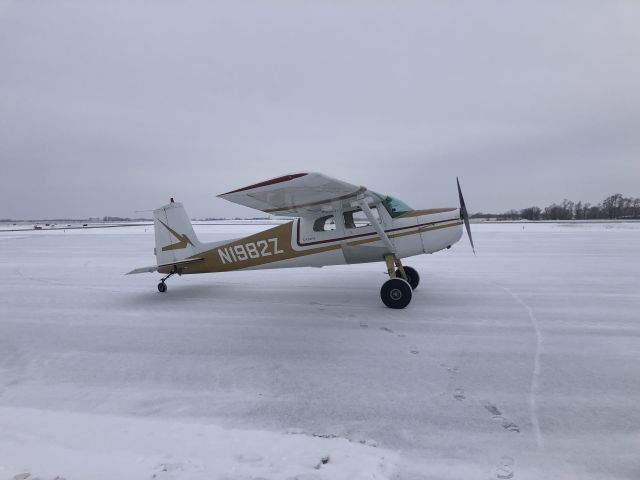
(125, 219)
(613, 207)
(109, 219)
(77, 220)
(213, 219)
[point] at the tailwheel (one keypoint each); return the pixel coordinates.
(396, 293)
(412, 276)
(162, 287)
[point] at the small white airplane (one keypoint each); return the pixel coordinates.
(337, 223)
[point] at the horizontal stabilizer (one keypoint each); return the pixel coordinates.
(143, 270)
(172, 264)
(182, 262)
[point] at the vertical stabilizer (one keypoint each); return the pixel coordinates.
(175, 238)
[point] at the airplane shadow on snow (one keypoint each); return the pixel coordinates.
(314, 292)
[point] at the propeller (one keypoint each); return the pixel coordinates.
(464, 216)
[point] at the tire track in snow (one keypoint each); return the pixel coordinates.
(535, 376)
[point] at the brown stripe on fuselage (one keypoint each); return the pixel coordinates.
(431, 211)
(418, 229)
(282, 235)
(368, 234)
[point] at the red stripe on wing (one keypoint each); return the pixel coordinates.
(273, 181)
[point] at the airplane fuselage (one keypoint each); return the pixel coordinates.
(304, 242)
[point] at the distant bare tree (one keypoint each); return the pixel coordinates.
(531, 213)
(595, 212)
(553, 212)
(613, 205)
(635, 208)
(567, 209)
(511, 215)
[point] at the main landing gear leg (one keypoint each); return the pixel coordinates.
(162, 287)
(408, 273)
(395, 292)
(400, 270)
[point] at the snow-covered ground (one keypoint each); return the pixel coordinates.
(522, 362)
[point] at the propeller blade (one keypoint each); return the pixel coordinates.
(464, 216)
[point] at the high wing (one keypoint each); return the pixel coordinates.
(298, 194)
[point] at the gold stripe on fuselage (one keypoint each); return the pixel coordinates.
(272, 245)
(417, 229)
(421, 213)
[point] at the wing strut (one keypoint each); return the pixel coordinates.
(376, 224)
(390, 258)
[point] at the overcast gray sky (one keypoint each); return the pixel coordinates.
(110, 107)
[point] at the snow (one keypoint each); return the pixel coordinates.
(522, 362)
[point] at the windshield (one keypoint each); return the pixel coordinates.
(395, 207)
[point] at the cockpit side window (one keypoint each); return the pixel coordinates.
(357, 218)
(324, 224)
(395, 207)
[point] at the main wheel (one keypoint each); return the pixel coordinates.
(162, 287)
(396, 293)
(412, 276)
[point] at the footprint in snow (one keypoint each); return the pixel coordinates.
(458, 394)
(388, 330)
(323, 461)
(492, 409)
(504, 469)
(512, 427)
(497, 415)
(368, 442)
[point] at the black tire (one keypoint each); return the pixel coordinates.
(412, 276)
(162, 287)
(396, 293)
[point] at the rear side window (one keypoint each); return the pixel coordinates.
(324, 224)
(358, 219)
